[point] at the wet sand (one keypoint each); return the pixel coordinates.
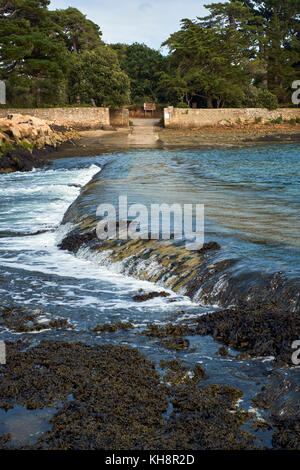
(147, 133)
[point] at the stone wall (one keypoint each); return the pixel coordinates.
(189, 118)
(78, 118)
(119, 117)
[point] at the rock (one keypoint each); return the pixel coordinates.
(20, 159)
(143, 297)
(225, 123)
(25, 133)
(210, 246)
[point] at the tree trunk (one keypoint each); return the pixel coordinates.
(209, 101)
(74, 45)
(38, 92)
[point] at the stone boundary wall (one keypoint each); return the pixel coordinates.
(189, 118)
(78, 118)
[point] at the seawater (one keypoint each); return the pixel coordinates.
(252, 202)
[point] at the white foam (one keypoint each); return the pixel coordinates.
(49, 195)
(41, 199)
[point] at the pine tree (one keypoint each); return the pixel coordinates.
(143, 65)
(78, 32)
(280, 52)
(209, 55)
(30, 48)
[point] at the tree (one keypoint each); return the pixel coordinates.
(30, 48)
(79, 35)
(243, 51)
(96, 75)
(280, 22)
(210, 57)
(143, 66)
(78, 32)
(57, 57)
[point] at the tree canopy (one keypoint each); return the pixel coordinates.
(56, 58)
(243, 53)
(143, 66)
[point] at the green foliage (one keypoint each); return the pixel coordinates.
(268, 100)
(56, 58)
(278, 120)
(244, 53)
(143, 66)
(5, 147)
(294, 121)
(208, 56)
(26, 145)
(280, 44)
(78, 33)
(97, 75)
(182, 105)
(31, 50)
(259, 98)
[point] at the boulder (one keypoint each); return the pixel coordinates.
(32, 129)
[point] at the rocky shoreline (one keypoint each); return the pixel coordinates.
(113, 397)
(97, 142)
(259, 319)
(26, 142)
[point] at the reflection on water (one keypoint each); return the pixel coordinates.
(251, 195)
(25, 426)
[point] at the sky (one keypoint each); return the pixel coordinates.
(128, 21)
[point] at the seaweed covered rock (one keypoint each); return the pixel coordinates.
(74, 241)
(113, 327)
(22, 320)
(112, 397)
(144, 296)
(20, 159)
(281, 397)
(258, 332)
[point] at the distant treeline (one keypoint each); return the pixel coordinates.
(244, 53)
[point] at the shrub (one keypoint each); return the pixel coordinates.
(267, 99)
(26, 145)
(182, 105)
(278, 120)
(260, 98)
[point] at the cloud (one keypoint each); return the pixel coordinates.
(145, 7)
(136, 21)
